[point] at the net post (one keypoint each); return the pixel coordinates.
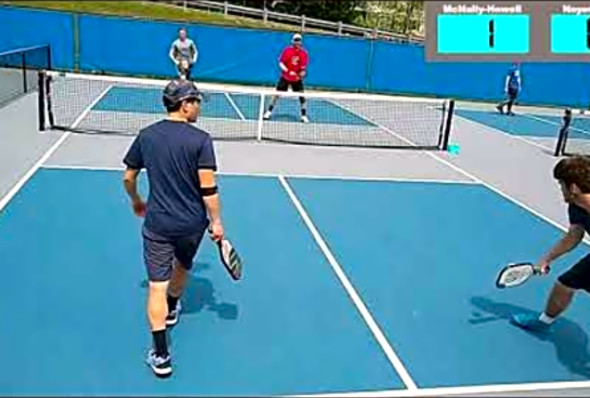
(41, 100)
(24, 70)
(441, 127)
(48, 104)
(448, 124)
(260, 118)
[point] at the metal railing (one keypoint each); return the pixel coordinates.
(302, 22)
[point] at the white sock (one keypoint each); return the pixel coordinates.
(546, 319)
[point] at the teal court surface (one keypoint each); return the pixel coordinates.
(236, 106)
(528, 124)
(349, 286)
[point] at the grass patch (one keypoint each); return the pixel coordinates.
(154, 11)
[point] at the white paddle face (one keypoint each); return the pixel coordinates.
(515, 274)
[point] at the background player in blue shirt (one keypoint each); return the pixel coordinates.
(183, 201)
(512, 87)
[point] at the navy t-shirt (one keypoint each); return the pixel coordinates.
(513, 80)
(579, 216)
(172, 153)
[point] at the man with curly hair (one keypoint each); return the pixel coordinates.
(573, 176)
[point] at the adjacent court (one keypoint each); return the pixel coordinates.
(421, 256)
(529, 124)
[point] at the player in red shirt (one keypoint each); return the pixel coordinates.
(293, 64)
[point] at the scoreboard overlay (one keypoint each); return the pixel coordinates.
(508, 31)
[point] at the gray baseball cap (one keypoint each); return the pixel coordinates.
(179, 90)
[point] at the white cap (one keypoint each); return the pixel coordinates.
(296, 37)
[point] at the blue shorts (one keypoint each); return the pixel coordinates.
(160, 253)
(512, 93)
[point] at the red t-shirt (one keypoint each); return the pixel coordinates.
(295, 60)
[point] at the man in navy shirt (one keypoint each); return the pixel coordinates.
(573, 175)
(180, 163)
(512, 88)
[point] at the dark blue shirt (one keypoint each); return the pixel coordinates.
(579, 216)
(172, 153)
(514, 79)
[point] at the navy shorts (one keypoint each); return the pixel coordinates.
(512, 94)
(160, 253)
(577, 277)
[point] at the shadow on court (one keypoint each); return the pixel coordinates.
(200, 295)
(569, 339)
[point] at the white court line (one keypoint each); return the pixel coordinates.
(556, 124)
(480, 181)
(513, 136)
(451, 391)
(373, 122)
(295, 175)
(233, 104)
(89, 107)
(20, 183)
(389, 352)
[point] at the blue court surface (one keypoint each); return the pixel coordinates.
(421, 256)
(528, 125)
(229, 106)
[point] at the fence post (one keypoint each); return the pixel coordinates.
(265, 16)
(339, 28)
(49, 64)
(225, 8)
(369, 69)
(184, 6)
(76, 34)
(302, 23)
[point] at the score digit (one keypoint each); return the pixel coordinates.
(491, 33)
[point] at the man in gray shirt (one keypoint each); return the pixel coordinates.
(183, 53)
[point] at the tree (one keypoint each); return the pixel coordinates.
(405, 17)
(330, 10)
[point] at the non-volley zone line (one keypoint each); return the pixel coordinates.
(462, 390)
(49, 165)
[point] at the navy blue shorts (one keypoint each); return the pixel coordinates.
(578, 276)
(160, 253)
(512, 94)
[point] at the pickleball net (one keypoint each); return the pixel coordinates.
(96, 104)
(19, 68)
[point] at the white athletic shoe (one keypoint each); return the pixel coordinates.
(304, 119)
(267, 115)
(161, 366)
(172, 318)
